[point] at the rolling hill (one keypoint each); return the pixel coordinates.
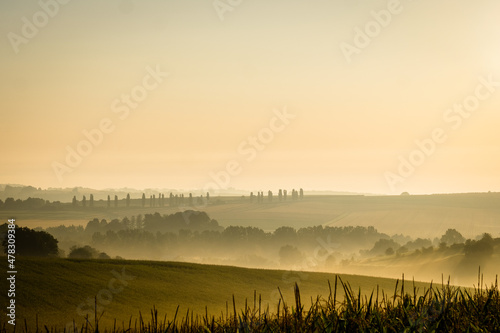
(58, 291)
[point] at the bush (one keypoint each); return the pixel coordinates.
(86, 252)
(103, 255)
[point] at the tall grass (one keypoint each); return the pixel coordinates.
(443, 308)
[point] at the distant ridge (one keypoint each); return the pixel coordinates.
(19, 191)
(23, 192)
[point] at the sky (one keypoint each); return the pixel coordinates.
(342, 95)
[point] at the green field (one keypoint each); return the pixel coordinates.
(53, 289)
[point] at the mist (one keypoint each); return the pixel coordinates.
(188, 235)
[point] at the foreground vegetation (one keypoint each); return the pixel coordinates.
(56, 295)
(439, 309)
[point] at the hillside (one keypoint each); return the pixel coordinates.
(61, 290)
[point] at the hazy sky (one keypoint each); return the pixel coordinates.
(355, 83)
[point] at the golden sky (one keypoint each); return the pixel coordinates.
(326, 95)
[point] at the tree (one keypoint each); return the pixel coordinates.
(208, 196)
(280, 195)
(91, 202)
(418, 243)
(143, 200)
(383, 245)
(401, 250)
(10, 203)
(109, 201)
(285, 194)
(139, 222)
(285, 235)
(84, 202)
(451, 237)
(74, 202)
(33, 243)
(480, 249)
(116, 201)
(93, 226)
(128, 200)
(270, 196)
(301, 194)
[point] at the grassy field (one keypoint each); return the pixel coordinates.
(61, 290)
(415, 215)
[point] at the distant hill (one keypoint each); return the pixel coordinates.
(66, 194)
(24, 192)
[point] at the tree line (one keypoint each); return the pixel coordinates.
(30, 203)
(282, 196)
(153, 200)
(193, 234)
